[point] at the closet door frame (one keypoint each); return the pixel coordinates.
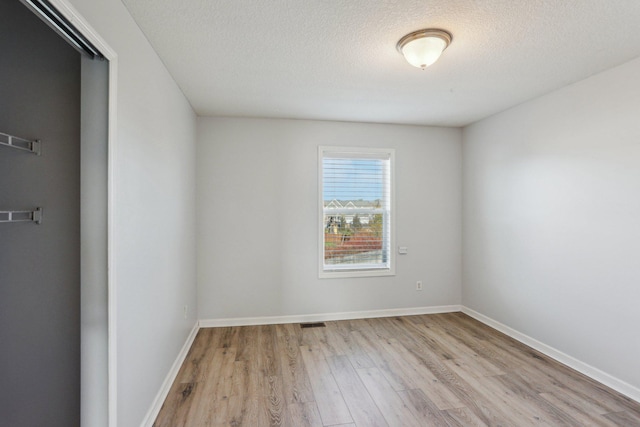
(108, 265)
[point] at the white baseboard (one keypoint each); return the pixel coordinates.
(153, 412)
(302, 318)
(588, 370)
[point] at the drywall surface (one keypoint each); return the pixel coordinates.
(153, 195)
(551, 230)
(40, 264)
(258, 218)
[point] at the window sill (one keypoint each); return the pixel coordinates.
(338, 274)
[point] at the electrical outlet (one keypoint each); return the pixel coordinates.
(185, 311)
(419, 285)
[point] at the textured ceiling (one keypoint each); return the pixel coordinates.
(337, 59)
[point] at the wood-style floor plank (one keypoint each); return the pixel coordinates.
(434, 390)
(430, 370)
(342, 333)
(295, 381)
(626, 418)
(395, 412)
(363, 410)
(462, 417)
(423, 408)
(304, 414)
(331, 405)
(584, 415)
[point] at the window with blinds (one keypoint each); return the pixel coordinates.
(356, 202)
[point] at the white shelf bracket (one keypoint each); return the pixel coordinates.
(22, 216)
(18, 143)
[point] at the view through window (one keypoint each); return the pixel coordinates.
(356, 215)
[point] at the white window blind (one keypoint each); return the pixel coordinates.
(357, 215)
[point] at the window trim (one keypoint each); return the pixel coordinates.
(357, 152)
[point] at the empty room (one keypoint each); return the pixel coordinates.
(320, 213)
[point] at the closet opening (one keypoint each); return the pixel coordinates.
(54, 243)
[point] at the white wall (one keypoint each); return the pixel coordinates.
(154, 205)
(258, 213)
(551, 220)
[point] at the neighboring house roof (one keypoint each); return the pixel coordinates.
(351, 204)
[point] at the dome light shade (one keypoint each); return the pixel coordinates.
(423, 47)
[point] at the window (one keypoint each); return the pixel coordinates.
(356, 211)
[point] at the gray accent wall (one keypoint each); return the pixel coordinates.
(40, 264)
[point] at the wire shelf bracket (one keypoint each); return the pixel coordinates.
(22, 216)
(21, 143)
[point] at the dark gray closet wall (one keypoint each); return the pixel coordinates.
(39, 264)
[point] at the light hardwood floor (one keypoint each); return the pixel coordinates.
(430, 370)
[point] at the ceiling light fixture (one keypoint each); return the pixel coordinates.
(423, 47)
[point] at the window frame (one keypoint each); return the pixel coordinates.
(358, 153)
